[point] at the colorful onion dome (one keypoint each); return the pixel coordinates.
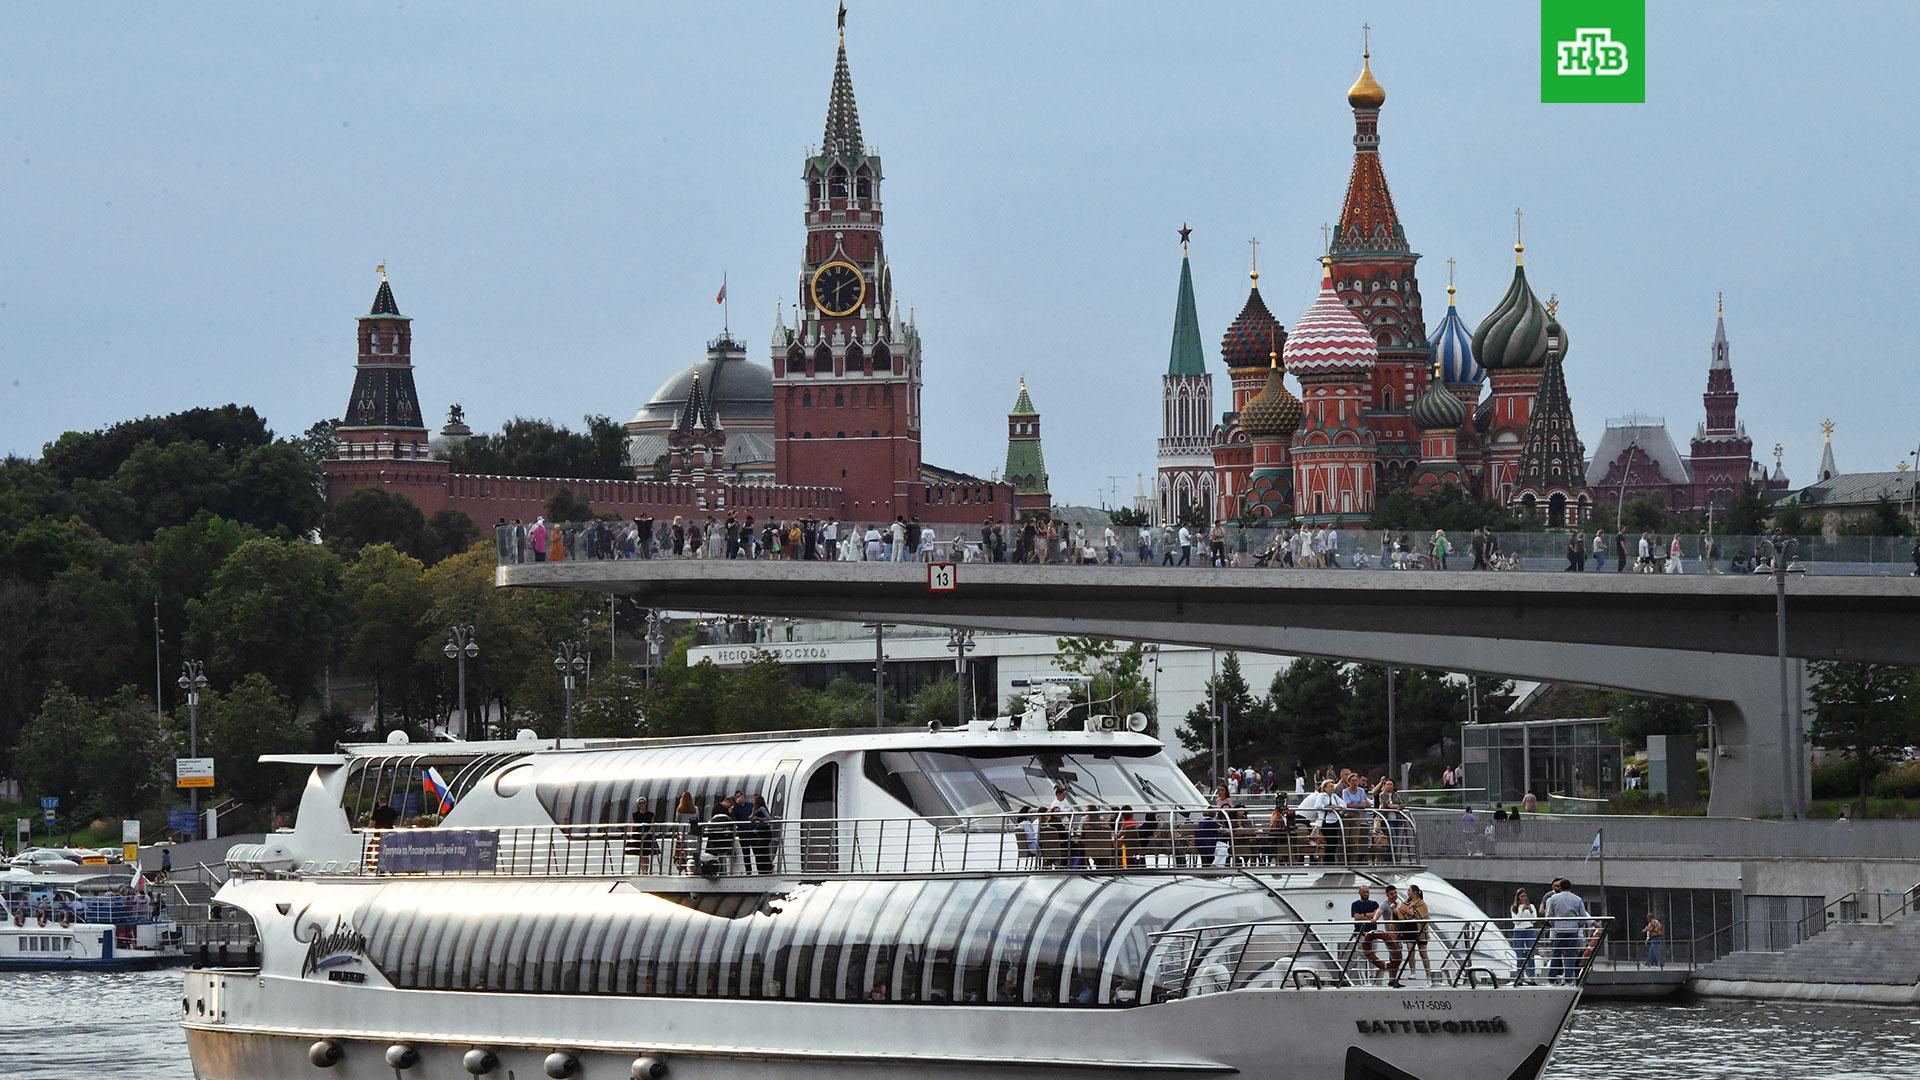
(1328, 338)
(1273, 413)
(1453, 349)
(1438, 409)
(1253, 332)
(1366, 91)
(1514, 336)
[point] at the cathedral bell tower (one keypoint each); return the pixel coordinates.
(383, 414)
(847, 376)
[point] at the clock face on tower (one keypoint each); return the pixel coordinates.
(838, 288)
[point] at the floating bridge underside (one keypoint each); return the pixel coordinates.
(1711, 638)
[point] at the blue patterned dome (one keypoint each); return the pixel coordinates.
(1453, 349)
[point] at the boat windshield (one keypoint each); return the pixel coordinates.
(938, 783)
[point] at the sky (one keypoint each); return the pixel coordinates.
(193, 199)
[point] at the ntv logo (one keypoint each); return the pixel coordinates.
(1593, 52)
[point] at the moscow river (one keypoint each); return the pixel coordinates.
(62, 1027)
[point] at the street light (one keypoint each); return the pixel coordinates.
(193, 679)
(570, 661)
(879, 670)
(961, 642)
(654, 641)
(460, 648)
(1780, 554)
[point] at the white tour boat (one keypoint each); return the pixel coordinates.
(83, 920)
(908, 901)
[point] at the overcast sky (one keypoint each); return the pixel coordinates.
(193, 199)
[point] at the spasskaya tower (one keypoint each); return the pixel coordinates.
(846, 376)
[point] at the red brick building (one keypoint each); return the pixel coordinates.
(846, 384)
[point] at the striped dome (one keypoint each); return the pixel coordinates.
(1453, 349)
(1273, 413)
(1514, 336)
(1438, 409)
(1253, 333)
(1328, 338)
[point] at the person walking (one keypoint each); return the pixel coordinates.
(1652, 933)
(1575, 552)
(1710, 552)
(1441, 546)
(1673, 555)
(1186, 546)
(1599, 552)
(1619, 551)
(1644, 564)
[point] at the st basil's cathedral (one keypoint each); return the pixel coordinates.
(1384, 404)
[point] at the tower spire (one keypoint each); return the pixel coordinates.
(1519, 243)
(1254, 243)
(1189, 356)
(842, 137)
(1449, 281)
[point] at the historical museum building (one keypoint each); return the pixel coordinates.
(831, 427)
(1384, 405)
(1638, 457)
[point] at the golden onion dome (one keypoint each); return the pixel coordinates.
(1273, 413)
(1366, 91)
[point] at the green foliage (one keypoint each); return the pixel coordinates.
(934, 703)
(1790, 520)
(1449, 508)
(46, 760)
(1885, 519)
(240, 725)
(1900, 782)
(1864, 711)
(1745, 516)
(563, 505)
(1835, 778)
(1119, 684)
(384, 632)
(372, 516)
(1636, 717)
(271, 608)
(615, 707)
(227, 431)
(538, 448)
(1194, 517)
(448, 532)
(106, 757)
(1229, 696)
(1129, 517)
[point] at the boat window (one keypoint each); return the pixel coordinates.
(937, 783)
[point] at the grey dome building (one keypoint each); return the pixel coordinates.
(741, 396)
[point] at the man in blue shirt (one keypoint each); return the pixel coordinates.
(1567, 917)
(1366, 930)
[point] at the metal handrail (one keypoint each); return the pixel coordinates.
(1285, 954)
(1021, 842)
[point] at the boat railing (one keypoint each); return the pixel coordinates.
(114, 910)
(1152, 839)
(1478, 953)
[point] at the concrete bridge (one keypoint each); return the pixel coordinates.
(1711, 638)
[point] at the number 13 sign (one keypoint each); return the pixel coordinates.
(942, 578)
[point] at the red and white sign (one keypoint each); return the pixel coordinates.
(941, 577)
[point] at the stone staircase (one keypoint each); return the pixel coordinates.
(1851, 953)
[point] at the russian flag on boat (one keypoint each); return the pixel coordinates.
(437, 791)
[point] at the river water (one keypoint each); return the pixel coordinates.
(74, 1026)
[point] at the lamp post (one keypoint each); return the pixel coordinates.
(653, 644)
(570, 661)
(193, 679)
(879, 671)
(1780, 554)
(961, 642)
(460, 648)
(1152, 652)
(1393, 746)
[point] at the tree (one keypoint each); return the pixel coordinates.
(1129, 517)
(48, 760)
(1428, 706)
(169, 483)
(227, 431)
(1636, 717)
(1746, 515)
(539, 448)
(245, 722)
(614, 708)
(384, 631)
(319, 443)
(129, 755)
(565, 506)
(1864, 711)
(1227, 696)
(1447, 508)
(1885, 519)
(448, 532)
(271, 609)
(933, 703)
(277, 487)
(1194, 517)
(1305, 702)
(1791, 520)
(1117, 679)
(372, 516)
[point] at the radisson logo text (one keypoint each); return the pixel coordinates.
(1593, 52)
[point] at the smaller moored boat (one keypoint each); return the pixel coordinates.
(86, 920)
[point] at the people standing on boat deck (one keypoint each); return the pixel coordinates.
(640, 845)
(1365, 912)
(1567, 917)
(1526, 930)
(385, 816)
(1397, 933)
(1321, 808)
(1652, 933)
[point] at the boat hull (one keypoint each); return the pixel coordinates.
(241, 1026)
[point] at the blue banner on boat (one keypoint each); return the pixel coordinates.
(438, 851)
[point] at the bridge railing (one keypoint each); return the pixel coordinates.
(1252, 547)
